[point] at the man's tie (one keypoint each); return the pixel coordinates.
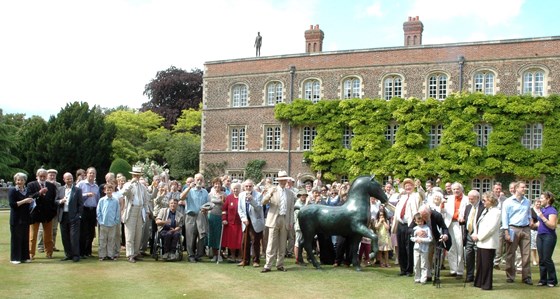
(403, 210)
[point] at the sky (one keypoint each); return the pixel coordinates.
(104, 52)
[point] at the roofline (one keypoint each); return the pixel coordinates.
(459, 44)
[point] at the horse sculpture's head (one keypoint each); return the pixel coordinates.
(370, 186)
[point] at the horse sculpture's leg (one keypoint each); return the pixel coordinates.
(307, 244)
(354, 246)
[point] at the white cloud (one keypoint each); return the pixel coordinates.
(374, 10)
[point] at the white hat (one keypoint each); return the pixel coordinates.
(283, 176)
(137, 170)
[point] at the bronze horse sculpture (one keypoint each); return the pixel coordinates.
(349, 220)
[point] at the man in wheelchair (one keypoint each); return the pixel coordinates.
(169, 222)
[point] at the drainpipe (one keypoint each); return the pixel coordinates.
(292, 75)
(461, 62)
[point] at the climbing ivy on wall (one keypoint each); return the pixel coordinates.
(457, 158)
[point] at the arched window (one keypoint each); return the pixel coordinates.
(274, 93)
(533, 82)
(392, 87)
(351, 88)
(437, 86)
(239, 92)
(484, 82)
(312, 90)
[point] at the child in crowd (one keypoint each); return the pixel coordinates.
(421, 236)
(300, 203)
(383, 237)
(108, 218)
(365, 248)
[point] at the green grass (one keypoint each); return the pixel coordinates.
(93, 279)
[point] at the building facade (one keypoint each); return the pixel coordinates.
(238, 123)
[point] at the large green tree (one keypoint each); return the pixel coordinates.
(134, 134)
(79, 137)
(172, 91)
(30, 149)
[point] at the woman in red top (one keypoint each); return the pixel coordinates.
(232, 235)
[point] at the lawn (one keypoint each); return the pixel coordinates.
(93, 279)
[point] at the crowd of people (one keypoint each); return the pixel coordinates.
(242, 221)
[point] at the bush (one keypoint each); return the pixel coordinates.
(121, 166)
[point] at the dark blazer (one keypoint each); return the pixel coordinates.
(437, 223)
(466, 217)
(45, 208)
(75, 203)
(18, 215)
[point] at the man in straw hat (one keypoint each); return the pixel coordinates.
(280, 219)
(135, 200)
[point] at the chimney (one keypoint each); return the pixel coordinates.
(314, 39)
(413, 29)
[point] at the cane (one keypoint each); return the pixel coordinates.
(220, 246)
(464, 257)
(245, 237)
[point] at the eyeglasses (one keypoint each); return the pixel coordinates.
(249, 186)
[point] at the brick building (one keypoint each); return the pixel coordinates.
(238, 123)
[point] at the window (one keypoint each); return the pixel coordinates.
(309, 134)
(482, 132)
(274, 93)
(533, 136)
(272, 175)
(347, 137)
(484, 83)
(236, 175)
(391, 133)
(435, 135)
(237, 138)
(437, 86)
(344, 179)
(239, 95)
(533, 82)
(272, 138)
(534, 189)
(482, 185)
(392, 87)
(351, 88)
(312, 90)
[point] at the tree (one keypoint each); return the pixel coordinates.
(172, 91)
(8, 142)
(79, 137)
(133, 131)
(183, 155)
(30, 149)
(121, 166)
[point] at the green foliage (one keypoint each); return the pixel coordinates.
(29, 149)
(189, 121)
(134, 129)
(8, 142)
(120, 165)
(253, 170)
(456, 158)
(78, 137)
(552, 184)
(182, 155)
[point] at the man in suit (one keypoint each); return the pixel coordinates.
(70, 208)
(439, 230)
(279, 220)
(407, 207)
(51, 178)
(455, 209)
(42, 212)
(472, 213)
(135, 200)
(251, 213)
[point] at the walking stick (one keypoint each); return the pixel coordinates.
(245, 237)
(220, 246)
(464, 257)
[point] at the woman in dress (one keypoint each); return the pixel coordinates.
(546, 240)
(217, 197)
(20, 206)
(233, 233)
(486, 235)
